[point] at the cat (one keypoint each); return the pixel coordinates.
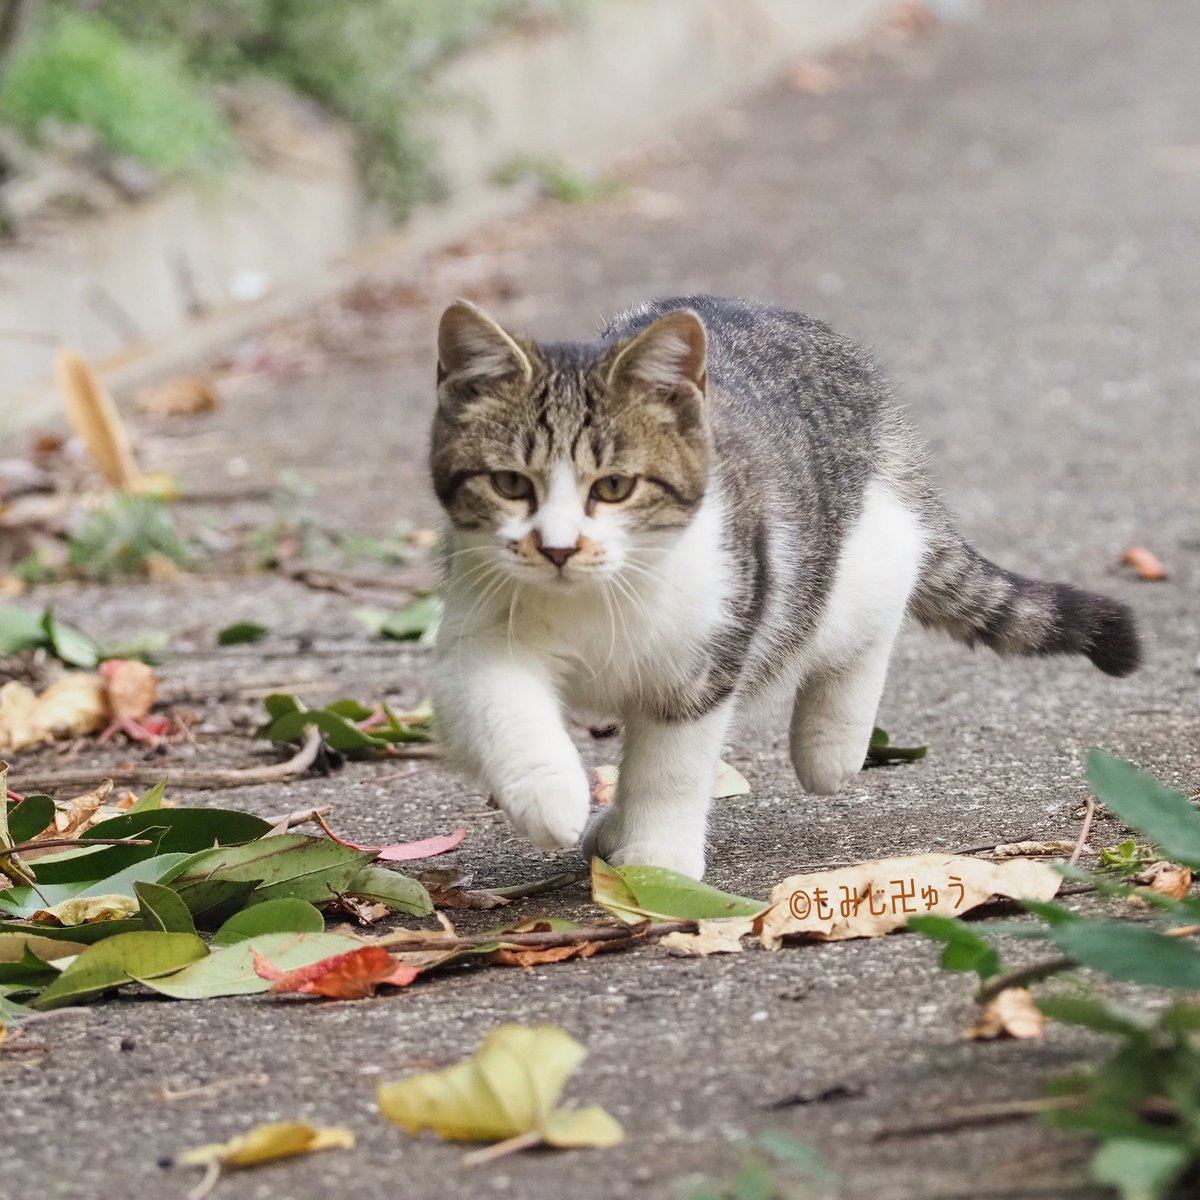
(713, 505)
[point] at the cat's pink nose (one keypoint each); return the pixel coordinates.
(558, 555)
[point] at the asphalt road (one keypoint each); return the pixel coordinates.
(1006, 212)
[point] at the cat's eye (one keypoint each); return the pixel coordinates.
(512, 485)
(612, 489)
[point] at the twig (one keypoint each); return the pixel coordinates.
(522, 1141)
(980, 1114)
(302, 816)
(212, 1172)
(54, 843)
(407, 939)
(538, 887)
(196, 779)
(344, 583)
(1088, 818)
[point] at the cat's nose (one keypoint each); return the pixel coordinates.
(558, 555)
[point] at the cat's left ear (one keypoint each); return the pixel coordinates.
(666, 362)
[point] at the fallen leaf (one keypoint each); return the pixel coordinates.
(266, 1143)
(84, 910)
(881, 752)
(505, 1092)
(1166, 879)
(636, 893)
(452, 889)
(74, 706)
(728, 781)
(1145, 563)
(132, 688)
(350, 976)
(1055, 848)
(874, 898)
(94, 417)
(403, 851)
(179, 397)
(711, 937)
(534, 956)
(241, 633)
(1011, 1014)
(76, 814)
(365, 912)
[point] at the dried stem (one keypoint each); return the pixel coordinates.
(616, 932)
(980, 1114)
(1088, 818)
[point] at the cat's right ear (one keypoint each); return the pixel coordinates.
(475, 354)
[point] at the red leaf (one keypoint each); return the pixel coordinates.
(404, 851)
(350, 976)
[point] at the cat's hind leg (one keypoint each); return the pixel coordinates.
(833, 716)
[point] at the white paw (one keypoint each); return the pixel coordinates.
(825, 770)
(549, 806)
(606, 839)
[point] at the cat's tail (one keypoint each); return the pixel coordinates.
(977, 602)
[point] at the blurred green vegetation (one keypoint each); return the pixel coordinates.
(368, 61)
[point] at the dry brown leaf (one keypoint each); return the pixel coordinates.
(528, 957)
(132, 688)
(74, 706)
(1054, 848)
(874, 898)
(179, 397)
(362, 911)
(723, 936)
(1011, 1014)
(94, 417)
(1147, 564)
(1166, 879)
(72, 816)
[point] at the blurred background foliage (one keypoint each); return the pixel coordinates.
(145, 76)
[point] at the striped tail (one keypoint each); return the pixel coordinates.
(977, 602)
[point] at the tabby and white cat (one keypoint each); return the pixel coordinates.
(710, 505)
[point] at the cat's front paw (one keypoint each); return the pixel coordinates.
(606, 838)
(549, 805)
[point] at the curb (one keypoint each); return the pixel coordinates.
(621, 79)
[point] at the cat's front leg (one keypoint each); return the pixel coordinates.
(500, 716)
(664, 791)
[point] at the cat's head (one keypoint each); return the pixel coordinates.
(567, 463)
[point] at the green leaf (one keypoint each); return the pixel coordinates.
(1134, 953)
(285, 915)
(1140, 1169)
(292, 864)
(28, 973)
(99, 862)
(187, 829)
(72, 647)
(212, 901)
(965, 949)
(382, 886)
(118, 960)
(12, 1013)
(1053, 914)
(635, 894)
(150, 802)
(792, 1152)
(97, 931)
(417, 619)
(881, 752)
(1144, 804)
(24, 901)
(29, 818)
(229, 971)
(339, 732)
(280, 704)
(162, 908)
(148, 646)
(240, 633)
(1095, 1015)
(20, 629)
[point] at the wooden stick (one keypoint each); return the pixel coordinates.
(980, 1114)
(1088, 818)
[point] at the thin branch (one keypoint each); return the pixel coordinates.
(1023, 976)
(407, 939)
(55, 843)
(1088, 818)
(538, 887)
(196, 779)
(980, 1114)
(522, 1141)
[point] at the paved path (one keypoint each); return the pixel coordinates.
(1004, 213)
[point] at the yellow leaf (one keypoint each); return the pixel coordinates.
(83, 910)
(266, 1143)
(721, 936)
(874, 898)
(95, 418)
(507, 1089)
(73, 706)
(1011, 1014)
